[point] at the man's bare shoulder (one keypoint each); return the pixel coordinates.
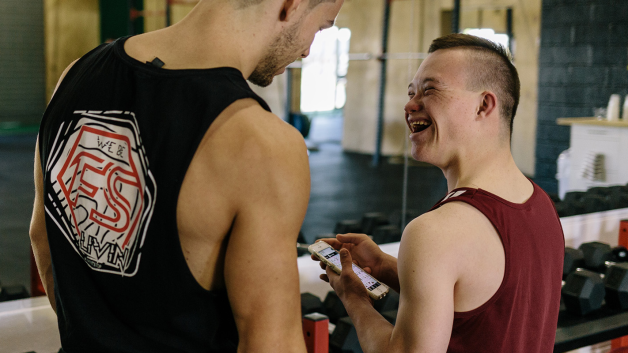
(458, 243)
(250, 133)
(249, 151)
(451, 232)
(445, 222)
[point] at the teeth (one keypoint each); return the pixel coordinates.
(415, 125)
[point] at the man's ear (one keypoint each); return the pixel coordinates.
(488, 104)
(289, 9)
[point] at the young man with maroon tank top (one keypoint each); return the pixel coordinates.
(480, 272)
(160, 176)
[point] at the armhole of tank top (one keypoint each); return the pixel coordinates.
(43, 140)
(65, 82)
(467, 314)
(245, 94)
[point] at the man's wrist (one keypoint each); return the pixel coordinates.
(354, 302)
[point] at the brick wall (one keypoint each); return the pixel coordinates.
(22, 75)
(583, 59)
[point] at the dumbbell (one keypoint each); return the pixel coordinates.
(572, 204)
(311, 303)
(395, 217)
(599, 190)
(618, 197)
(348, 226)
(344, 339)
(597, 254)
(595, 203)
(372, 220)
(554, 197)
(565, 209)
(333, 307)
(580, 202)
(15, 292)
(584, 291)
(574, 258)
(615, 196)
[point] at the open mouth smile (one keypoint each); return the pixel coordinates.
(418, 126)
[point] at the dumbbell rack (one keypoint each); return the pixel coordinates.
(574, 332)
(36, 324)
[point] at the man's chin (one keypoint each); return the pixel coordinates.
(262, 81)
(265, 81)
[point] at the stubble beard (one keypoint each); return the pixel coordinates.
(279, 52)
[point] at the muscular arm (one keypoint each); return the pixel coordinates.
(37, 231)
(261, 275)
(38, 234)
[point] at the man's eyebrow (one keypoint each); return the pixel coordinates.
(430, 79)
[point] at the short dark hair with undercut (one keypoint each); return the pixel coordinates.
(492, 69)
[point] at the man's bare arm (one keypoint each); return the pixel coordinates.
(38, 234)
(261, 275)
(449, 260)
(37, 231)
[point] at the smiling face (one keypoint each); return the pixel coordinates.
(294, 41)
(441, 111)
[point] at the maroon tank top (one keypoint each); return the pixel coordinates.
(523, 313)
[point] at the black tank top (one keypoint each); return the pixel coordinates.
(115, 144)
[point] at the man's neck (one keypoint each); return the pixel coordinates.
(210, 36)
(493, 171)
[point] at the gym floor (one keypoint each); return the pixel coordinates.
(344, 186)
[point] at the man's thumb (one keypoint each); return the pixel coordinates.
(345, 260)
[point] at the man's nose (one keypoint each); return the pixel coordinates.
(412, 106)
(305, 53)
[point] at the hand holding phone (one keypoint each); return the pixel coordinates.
(367, 254)
(330, 257)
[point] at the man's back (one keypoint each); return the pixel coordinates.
(521, 314)
(137, 242)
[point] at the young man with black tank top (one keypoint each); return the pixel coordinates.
(165, 188)
(481, 271)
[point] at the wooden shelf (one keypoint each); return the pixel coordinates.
(591, 121)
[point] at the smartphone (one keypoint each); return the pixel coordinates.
(330, 257)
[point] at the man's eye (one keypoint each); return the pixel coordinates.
(410, 94)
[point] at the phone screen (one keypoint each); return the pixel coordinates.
(334, 257)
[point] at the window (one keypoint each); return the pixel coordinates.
(324, 71)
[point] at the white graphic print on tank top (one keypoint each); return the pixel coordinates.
(102, 189)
